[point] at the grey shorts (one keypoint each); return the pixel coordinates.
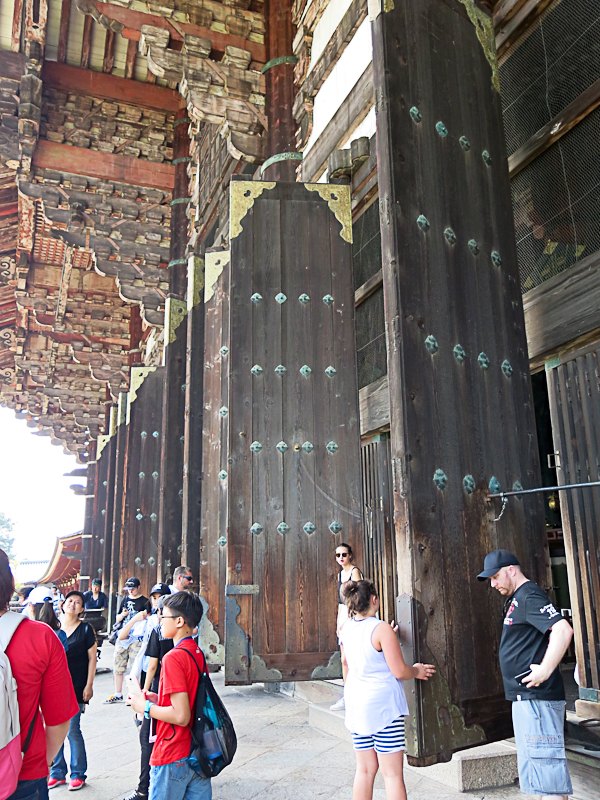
(539, 727)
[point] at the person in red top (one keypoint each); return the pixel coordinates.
(171, 777)
(44, 691)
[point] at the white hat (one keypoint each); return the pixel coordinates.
(39, 595)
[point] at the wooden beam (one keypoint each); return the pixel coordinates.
(110, 167)
(15, 44)
(133, 21)
(374, 401)
(505, 10)
(86, 45)
(514, 27)
(555, 129)
(368, 288)
(12, 65)
(109, 51)
(564, 309)
(109, 87)
(130, 58)
(63, 36)
(350, 114)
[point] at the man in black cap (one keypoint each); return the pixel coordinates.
(535, 637)
(127, 650)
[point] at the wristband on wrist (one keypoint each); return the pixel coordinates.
(149, 705)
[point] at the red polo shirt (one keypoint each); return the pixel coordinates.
(39, 666)
(178, 674)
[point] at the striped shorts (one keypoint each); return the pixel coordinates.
(389, 740)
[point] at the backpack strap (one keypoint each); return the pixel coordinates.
(9, 622)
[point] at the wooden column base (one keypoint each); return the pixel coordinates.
(586, 709)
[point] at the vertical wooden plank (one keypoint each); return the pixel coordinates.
(457, 361)
(86, 45)
(119, 488)
(109, 51)
(63, 35)
(270, 548)
(130, 58)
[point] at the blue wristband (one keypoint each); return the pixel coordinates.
(149, 705)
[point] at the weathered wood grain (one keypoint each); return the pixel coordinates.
(86, 44)
(63, 35)
(447, 414)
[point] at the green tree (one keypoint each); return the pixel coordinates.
(7, 542)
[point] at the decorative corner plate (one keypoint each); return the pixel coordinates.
(339, 201)
(242, 195)
(214, 264)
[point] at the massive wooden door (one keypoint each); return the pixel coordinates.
(574, 391)
(461, 410)
(293, 465)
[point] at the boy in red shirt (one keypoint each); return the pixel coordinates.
(44, 691)
(171, 777)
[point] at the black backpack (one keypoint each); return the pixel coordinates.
(213, 737)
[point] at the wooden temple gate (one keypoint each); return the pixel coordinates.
(240, 455)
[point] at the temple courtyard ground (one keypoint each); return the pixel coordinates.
(279, 756)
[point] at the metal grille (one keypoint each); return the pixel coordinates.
(556, 202)
(379, 553)
(549, 67)
(371, 354)
(366, 247)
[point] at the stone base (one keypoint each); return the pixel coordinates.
(481, 767)
(586, 709)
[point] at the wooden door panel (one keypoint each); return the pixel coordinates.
(574, 394)
(292, 392)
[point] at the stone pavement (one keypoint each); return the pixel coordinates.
(279, 756)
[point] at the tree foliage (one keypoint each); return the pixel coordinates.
(7, 542)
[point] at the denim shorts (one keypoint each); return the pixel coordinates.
(178, 781)
(539, 727)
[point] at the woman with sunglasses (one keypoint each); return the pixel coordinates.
(349, 572)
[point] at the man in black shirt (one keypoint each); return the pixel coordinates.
(126, 650)
(535, 637)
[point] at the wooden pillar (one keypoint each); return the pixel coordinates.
(119, 484)
(97, 542)
(88, 526)
(462, 419)
(279, 78)
(194, 405)
(171, 486)
(111, 453)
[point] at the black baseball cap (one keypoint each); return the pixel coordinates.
(131, 582)
(160, 588)
(495, 561)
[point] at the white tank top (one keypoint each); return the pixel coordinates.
(374, 697)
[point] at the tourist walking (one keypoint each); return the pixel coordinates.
(79, 641)
(126, 651)
(171, 777)
(535, 637)
(375, 700)
(156, 648)
(349, 571)
(44, 690)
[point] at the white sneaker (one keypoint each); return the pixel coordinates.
(339, 705)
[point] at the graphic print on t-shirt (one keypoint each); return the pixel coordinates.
(525, 634)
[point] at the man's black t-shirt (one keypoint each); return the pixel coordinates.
(76, 647)
(91, 603)
(157, 647)
(524, 642)
(134, 604)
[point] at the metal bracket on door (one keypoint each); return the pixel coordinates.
(208, 639)
(554, 460)
(241, 665)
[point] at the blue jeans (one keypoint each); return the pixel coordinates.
(78, 755)
(31, 790)
(539, 727)
(178, 781)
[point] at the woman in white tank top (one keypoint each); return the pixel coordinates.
(375, 700)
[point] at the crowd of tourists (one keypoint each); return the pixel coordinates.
(54, 665)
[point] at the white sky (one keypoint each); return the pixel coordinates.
(33, 491)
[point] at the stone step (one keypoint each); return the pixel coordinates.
(323, 719)
(319, 692)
